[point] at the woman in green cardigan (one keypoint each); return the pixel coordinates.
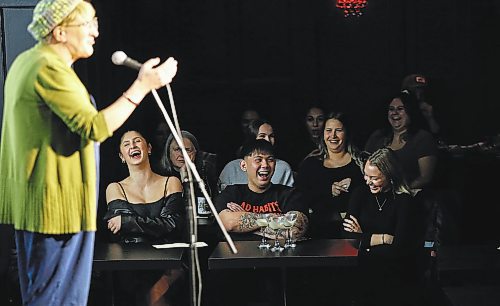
(47, 151)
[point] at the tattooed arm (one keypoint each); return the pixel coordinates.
(300, 227)
(244, 222)
(238, 221)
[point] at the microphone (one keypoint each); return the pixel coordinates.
(120, 58)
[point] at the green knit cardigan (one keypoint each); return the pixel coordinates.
(47, 156)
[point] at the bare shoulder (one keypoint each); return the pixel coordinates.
(173, 185)
(113, 192)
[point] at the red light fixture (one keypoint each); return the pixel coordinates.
(352, 7)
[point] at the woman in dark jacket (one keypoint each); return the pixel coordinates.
(144, 208)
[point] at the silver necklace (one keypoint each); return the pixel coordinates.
(378, 203)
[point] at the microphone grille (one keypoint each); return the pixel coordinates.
(118, 57)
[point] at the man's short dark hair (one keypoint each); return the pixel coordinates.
(256, 145)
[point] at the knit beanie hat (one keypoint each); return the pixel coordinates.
(48, 14)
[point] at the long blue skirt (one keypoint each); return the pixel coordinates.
(54, 269)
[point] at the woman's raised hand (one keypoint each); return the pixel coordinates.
(153, 76)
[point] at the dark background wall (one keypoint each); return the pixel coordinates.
(280, 55)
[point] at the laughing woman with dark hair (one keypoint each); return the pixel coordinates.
(145, 208)
(415, 148)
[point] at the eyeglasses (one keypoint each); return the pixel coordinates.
(91, 24)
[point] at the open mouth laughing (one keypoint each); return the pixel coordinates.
(135, 154)
(263, 175)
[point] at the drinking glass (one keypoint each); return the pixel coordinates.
(290, 218)
(275, 225)
(263, 222)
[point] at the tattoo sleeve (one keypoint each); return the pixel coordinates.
(247, 222)
(300, 227)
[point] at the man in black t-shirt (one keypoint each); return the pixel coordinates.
(239, 205)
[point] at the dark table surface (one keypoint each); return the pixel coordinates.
(134, 256)
(309, 253)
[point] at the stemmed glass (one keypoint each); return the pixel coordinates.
(290, 219)
(263, 221)
(276, 224)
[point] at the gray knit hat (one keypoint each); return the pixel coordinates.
(48, 14)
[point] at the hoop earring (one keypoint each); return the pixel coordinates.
(123, 161)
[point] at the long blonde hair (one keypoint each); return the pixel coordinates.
(386, 161)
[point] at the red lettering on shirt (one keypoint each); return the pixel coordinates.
(271, 207)
(246, 206)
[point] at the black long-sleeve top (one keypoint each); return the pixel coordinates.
(315, 181)
(401, 215)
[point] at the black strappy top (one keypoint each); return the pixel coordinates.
(159, 222)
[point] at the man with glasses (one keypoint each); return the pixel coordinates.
(48, 156)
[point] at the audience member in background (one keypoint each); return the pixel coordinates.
(144, 208)
(327, 178)
(416, 85)
(227, 147)
(415, 148)
(233, 174)
(388, 220)
(315, 121)
(239, 204)
(309, 137)
(247, 116)
(172, 161)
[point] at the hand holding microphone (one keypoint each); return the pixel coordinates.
(151, 74)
